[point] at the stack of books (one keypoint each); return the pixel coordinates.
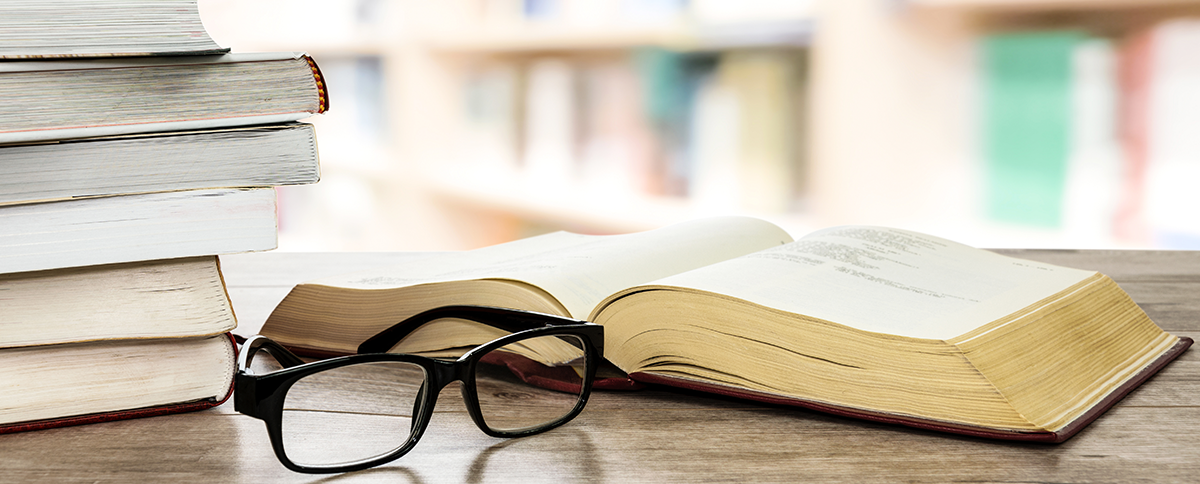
(134, 150)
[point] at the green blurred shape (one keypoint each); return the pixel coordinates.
(1027, 124)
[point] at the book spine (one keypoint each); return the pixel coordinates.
(322, 89)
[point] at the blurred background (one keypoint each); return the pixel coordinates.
(457, 124)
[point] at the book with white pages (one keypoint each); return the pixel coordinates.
(35, 29)
(66, 99)
(164, 298)
(106, 230)
(257, 156)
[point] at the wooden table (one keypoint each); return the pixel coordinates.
(661, 435)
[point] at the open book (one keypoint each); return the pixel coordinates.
(869, 322)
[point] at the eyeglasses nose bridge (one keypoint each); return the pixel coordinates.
(441, 373)
(444, 372)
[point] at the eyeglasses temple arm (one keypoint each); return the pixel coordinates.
(255, 343)
(510, 320)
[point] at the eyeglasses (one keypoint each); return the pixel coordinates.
(359, 411)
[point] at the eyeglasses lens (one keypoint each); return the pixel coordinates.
(530, 383)
(351, 413)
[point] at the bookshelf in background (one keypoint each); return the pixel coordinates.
(606, 117)
(887, 129)
(1110, 153)
(510, 118)
(640, 127)
(949, 103)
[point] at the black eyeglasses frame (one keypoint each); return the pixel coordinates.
(262, 396)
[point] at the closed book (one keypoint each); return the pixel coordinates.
(166, 298)
(102, 28)
(78, 383)
(256, 156)
(64, 99)
(111, 342)
(106, 230)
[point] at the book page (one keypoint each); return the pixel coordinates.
(886, 281)
(581, 270)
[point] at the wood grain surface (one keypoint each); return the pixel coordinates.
(659, 435)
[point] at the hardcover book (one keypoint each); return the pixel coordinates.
(257, 156)
(79, 383)
(102, 28)
(136, 95)
(106, 230)
(111, 342)
(871, 322)
(166, 298)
